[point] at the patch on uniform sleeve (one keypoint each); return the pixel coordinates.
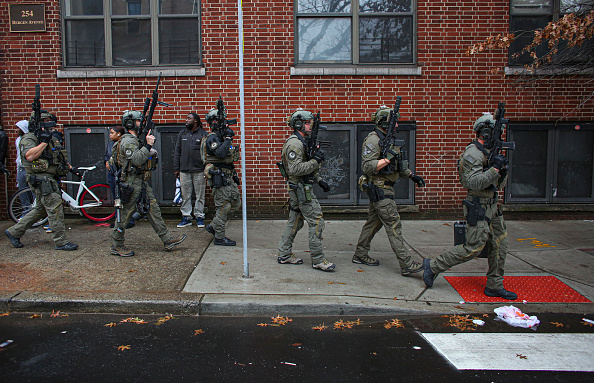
(128, 153)
(214, 145)
(292, 155)
(367, 150)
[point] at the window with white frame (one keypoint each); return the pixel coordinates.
(128, 33)
(355, 32)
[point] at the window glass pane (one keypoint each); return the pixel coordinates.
(568, 6)
(178, 41)
(324, 39)
(385, 40)
(529, 167)
(130, 7)
(532, 7)
(85, 43)
(131, 42)
(178, 7)
(84, 7)
(322, 6)
(524, 28)
(574, 166)
(385, 5)
(335, 170)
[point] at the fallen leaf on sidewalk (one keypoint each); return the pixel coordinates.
(110, 324)
(36, 316)
(360, 271)
(122, 348)
(557, 324)
(321, 327)
(223, 263)
(198, 332)
(521, 356)
(55, 314)
(136, 320)
(281, 320)
(131, 271)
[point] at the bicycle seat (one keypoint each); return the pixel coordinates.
(87, 168)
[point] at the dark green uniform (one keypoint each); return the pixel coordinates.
(382, 213)
(481, 182)
(132, 159)
(303, 204)
(43, 177)
(219, 156)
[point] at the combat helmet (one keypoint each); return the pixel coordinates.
(381, 117)
(297, 119)
(212, 115)
(129, 117)
(44, 115)
(485, 121)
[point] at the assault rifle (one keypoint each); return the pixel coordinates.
(222, 123)
(313, 144)
(146, 123)
(36, 124)
(496, 144)
(390, 140)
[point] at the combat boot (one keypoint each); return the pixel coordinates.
(290, 259)
(224, 242)
(324, 265)
(501, 293)
(428, 275)
(16, 242)
(121, 251)
(169, 245)
(414, 267)
(67, 246)
(365, 260)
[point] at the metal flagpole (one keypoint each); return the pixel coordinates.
(246, 265)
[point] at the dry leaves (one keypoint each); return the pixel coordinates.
(122, 348)
(164, 319)
(393, 323)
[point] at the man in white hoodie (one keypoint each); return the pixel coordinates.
(21, 173)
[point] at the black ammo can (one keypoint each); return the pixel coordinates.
(460, 237)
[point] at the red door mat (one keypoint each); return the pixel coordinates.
(531, 289)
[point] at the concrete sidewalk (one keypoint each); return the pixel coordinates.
(200, 278)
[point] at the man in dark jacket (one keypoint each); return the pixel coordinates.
(188, 166)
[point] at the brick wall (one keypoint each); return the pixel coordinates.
(444, 101)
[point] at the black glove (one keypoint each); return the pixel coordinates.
(319, 156)
(44, 136)
(228, 132)
(418, 180)
(500, 162)
(76, 172)
(3, 169)
(502, 174)
(325, 187)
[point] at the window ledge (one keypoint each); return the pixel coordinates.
(520, 70)
(356, 71)
(112, 72)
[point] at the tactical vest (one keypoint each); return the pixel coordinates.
(209, 158)
(385, 181)
(52, 161)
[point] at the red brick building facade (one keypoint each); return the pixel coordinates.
(443, 93)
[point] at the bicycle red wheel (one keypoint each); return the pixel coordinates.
(102, 213)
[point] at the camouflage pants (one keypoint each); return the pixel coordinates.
(302, 210)
(384, 214)
(50, 205)
(476, 238)
(154, 214)
(227, 200)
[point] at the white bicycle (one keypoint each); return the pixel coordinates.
(94, 202)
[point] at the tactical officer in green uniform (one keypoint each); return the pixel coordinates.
(218, 154)
(380, 175)
(484, 221)
(301, 172)
(135, 163)
(44, 159)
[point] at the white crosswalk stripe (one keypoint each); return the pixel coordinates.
(516, 351)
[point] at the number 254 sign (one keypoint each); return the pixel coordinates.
(27, 17)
